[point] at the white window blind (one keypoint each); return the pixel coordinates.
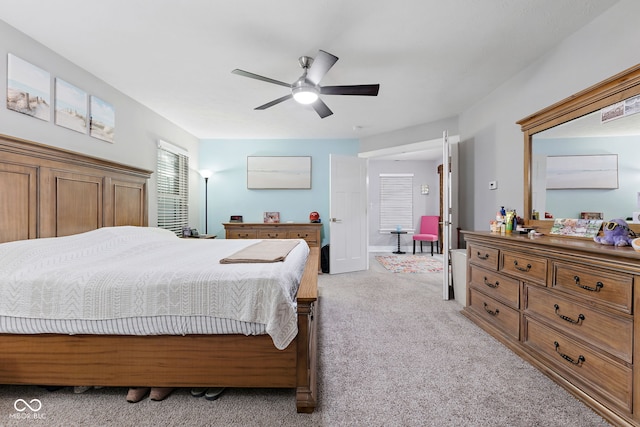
(173, 188)
(396, 201)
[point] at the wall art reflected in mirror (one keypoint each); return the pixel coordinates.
(587, 165)
(601, 120)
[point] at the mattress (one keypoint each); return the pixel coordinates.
(145, 281)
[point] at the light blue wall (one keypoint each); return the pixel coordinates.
(613, 203)
(227, 189)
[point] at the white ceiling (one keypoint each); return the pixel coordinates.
(432, 58)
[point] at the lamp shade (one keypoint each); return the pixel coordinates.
(206, 173)
(305, 95)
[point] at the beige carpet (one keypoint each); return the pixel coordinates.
(392, 353)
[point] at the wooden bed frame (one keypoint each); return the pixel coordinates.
(49, 192)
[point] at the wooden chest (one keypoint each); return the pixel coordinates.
(568, 307)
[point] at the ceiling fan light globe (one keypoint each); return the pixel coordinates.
(305, 95)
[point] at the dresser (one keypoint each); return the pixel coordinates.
(568, 307)
(310, 232)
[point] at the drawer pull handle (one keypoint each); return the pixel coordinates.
(525, 269)
(599, 285)
(567, 318)
(493, 313)
(479, 255)
(569, 359)
(491, 285)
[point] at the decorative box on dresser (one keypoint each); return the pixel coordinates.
(310, 232)
(568, 306)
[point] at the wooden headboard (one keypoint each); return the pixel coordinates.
(50, 192)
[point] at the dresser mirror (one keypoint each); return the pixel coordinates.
(573, 127)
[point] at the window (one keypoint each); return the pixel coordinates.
(173, 187)
(396, 201)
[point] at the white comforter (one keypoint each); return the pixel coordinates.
(124, 272)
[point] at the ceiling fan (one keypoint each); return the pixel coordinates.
(307, 89)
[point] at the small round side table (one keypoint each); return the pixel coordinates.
(399, 233)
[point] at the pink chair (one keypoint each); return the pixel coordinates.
(429, 231)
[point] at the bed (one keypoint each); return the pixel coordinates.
(43, 185)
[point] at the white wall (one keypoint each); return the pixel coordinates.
(419, 133)
(492, 143)
(491, 147)
(425, 172)
(137, 127)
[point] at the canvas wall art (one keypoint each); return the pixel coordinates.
(71, 106)
(586, 171)
(274, 172)
(28, 88)
(103, 119)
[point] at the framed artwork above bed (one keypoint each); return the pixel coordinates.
(279, 172)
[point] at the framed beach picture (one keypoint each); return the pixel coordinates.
(103, 119)
(28, 88)
(71, 106)
(278, 172)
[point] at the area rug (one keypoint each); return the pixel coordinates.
(410, 263)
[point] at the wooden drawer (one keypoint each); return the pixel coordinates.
(272, 234)
(611, 333)
(585, 368)
(309, 235)
(495, 312)
(242, 234)
(529, 268)
(484, 256)
(600, 286)
(500, 287)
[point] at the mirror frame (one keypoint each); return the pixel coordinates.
(614, 89)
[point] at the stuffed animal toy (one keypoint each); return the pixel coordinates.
(615, 233)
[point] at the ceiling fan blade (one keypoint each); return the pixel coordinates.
(257, 77)
(274, 102)
(321, 108)
(363, 90)
(321, 64)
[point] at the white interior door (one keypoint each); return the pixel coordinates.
(450, 206)
(348, 214)
(446, 213)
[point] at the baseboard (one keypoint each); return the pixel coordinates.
(391, 249)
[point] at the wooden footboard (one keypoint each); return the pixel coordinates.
(173, 361)
(307, 339)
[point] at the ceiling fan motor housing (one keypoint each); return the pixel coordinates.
(307, 89)
(305, 61)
